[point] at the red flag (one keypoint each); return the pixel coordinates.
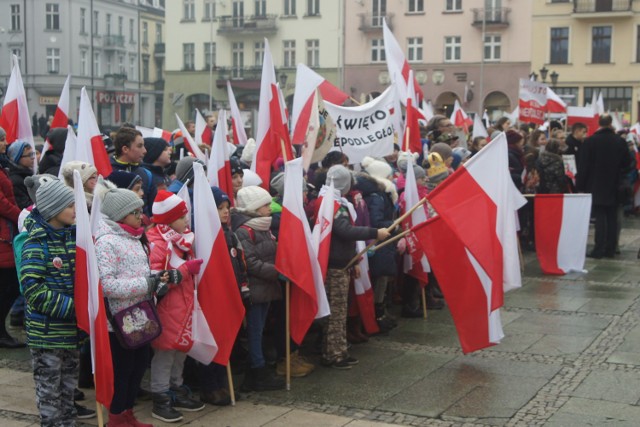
(364, 294)
(296, 258)
(483, 187)
(90, 147)
(561, 227)
(217, 290)
(465, 285)
(239, 134)
(586, 115)
(219, 167)
(555, 104)
(324, 224)
(61, 116)
(190, 143)
(272, 135)
(460, 118)
(411, 140)
(416, 263)
(89, 301)
(203, 132)
(398, 65)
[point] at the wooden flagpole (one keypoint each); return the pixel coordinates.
(424, 302)
(287, 306)
(232, 392)
(354, 100)
(391, 240)
(406, 138)
(99, 413)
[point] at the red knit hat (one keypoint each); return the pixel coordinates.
(167, 207)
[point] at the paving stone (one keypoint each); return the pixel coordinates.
(301, 418)
(620, 387)
(597, 412)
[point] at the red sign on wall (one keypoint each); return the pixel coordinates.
(115, 97)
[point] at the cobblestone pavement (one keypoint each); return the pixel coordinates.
(570, 357)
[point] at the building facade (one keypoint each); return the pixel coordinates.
(590, 46)
(213, 41)
(97, 42)
(457, 48)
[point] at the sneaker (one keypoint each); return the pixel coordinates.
(162, 409)
(351, 360)
(182, 400)
(84, 413)
(342, 364)
(78, 395)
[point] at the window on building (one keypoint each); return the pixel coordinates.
(238, 13)
(290, 7)
(145, 69)
(261, 7)
(313, 53)
(492, 47)
(188, 10)
(145, 34)
(237, 58)
(120, 26)
(15, 17)
(83, 20)
(379, 10)
(289, 50)
(615, 98)
(258, 53)
(209, 10)
(638, 43)
(377, 50)
(158, 32)
(96, 63)
(53, 60)
(559, 49)
(209, 55)
(18, 53)
(132, 67)
(601, 44)
(453, 6)
(52, 16)
(84, 66)
(108, 24)
(132, 27)
(188, 56)
(416, 6)
(414, 49)
(452, 48)
(96, 22)
(121, 68)
(109, 63)
(313, 7)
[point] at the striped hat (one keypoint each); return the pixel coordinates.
(53, 197)
(167, 207)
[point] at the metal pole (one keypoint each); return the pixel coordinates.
(92, 59)
(481, 94)
(139, 79)
(210, 62)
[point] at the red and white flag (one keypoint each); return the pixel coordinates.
(460, 118)
(70, 148)
(427, 111)
(239, 134)
(532, 101)
(91, 314)
(154, 133)
(217, 291)
(296, 258)
(90, 147)
(555, 104)
(272, 135)
(61, 116)
(307, 81)
(585, 115)
(466, 286)
(397, 64)
(183, 193)
(364, 294)
(478, 128)
(484, 187)
(416, 263)
(203, 133)
(321, 234)
(15, 119)
(190, 143)
(219, 167)
(561, 227)
(411, 139)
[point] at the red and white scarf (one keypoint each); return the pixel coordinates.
(178, 244)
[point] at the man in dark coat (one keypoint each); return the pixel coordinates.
(604, 158)
(575, 139)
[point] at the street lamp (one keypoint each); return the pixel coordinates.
(283, 81)
(533, 76)
(554, 78)
(543, 74)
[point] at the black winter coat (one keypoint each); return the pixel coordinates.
(551, 171)
(344, 236)
(516, 166)
(17, 174)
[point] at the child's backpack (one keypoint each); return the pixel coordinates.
(18, 244)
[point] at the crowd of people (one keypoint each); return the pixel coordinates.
(145, 252)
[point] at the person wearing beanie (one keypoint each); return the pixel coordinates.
(444, 151)
(515, 149)
(214, 388)
(127, 181)
(52, 159)
(122, 251)
(171, 243)
(88, 174)
(129, 155)
(47, 273)
(184, 173)
(437, 170)
(251, 221)
(248, 152)
(21, 161)
(156, 161)
(32, 183)
(237, 175)
(461, 155)
(342, 248)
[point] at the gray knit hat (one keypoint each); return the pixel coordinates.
(184, 169)
(341, 178)
(34, 182)
(419, 172)
(53, 197)
(277, 183)
(118, 203)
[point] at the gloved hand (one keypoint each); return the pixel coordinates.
(193, 265)
(282, 278)
(170, 276)
(155, 285)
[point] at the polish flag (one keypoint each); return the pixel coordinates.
(635, 128)
(217, 294)
(190, 143)
(70, 148)
(483, 186)
(296, 259)
(61, 116)
(561, 227)
(586, 115)
(427, 110)
(416, 263)
(411, 140)
(15, 118)
(364, 294)
(460, 118)
(307, 81)
(479, 129)
(219, 167)
(397, 64)
(183, 193)
(91, 314)
(555, 104)
(466, 286)
(321, 235)
(90, 147)
(154, 133)
(203, 133)
(239, 134)
(272, 135)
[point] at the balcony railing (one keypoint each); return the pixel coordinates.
(494, 17)
(264, 24)
(113, 42)
(372, 22)
(601, 6)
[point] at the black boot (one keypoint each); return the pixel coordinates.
(163, 410)
(266, 380)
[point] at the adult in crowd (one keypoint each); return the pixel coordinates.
(575, 139)
(156, 161)
(52, 159)
(21, 160)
